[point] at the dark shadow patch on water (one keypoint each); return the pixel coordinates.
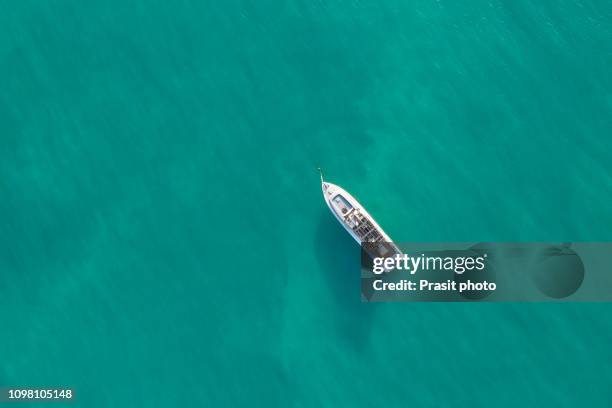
(338, 256)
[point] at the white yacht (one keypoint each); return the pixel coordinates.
(357, 221)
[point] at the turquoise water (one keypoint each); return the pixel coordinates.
(164, 239)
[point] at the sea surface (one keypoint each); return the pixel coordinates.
(164, 241)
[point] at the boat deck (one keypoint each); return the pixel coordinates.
(372, 240)
(365, 229)
(359, 223)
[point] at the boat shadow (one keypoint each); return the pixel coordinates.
(339, 258)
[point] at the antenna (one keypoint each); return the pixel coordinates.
(320, 173)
